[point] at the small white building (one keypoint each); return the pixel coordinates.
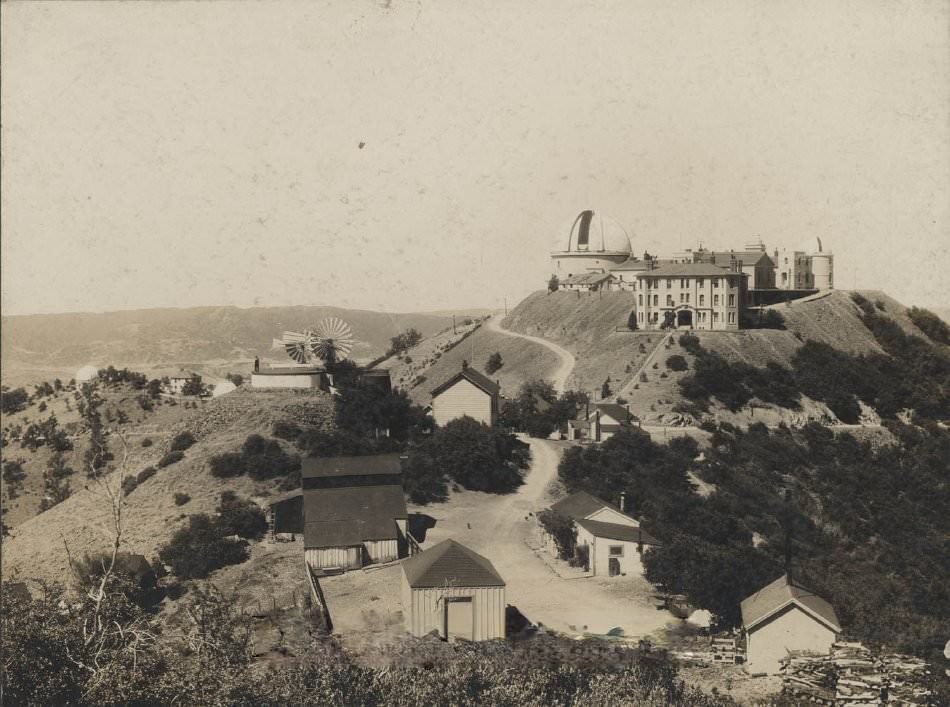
(601, 423)
(298, 377)
(591, 282)
(784, 617)
(615, 541)
(467, 393)
(454, 591)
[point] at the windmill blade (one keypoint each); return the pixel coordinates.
(333, 340)
(297, 345)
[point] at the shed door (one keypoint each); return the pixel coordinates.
(459, 618)
(613, 566)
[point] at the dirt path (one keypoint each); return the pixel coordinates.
(563, 372)
(501, 528)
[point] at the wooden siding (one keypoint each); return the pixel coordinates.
(424, 609)
(463, 398)
(609, 515)
(789, 630)
(631, 562)
(288, 381)
(382, 550)
(346, 557)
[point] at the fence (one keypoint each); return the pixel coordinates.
(319, 601)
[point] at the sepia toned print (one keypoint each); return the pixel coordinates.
(391, 353)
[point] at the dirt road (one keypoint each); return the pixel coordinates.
(499, 526)
(563, 371)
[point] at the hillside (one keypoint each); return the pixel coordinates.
(63, 342)
(35, 547)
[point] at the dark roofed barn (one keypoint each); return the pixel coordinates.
(455, 592)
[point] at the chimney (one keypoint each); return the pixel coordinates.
(623, 501)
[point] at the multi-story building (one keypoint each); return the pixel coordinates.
(695, 295)
(807, 267)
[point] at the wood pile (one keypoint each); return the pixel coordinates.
(851, 675)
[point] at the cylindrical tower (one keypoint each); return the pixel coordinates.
(593, 243)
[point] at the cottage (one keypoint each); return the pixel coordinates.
(784, 617)
(467, 393)
(601, 423)
(454, 591)
(614, 540)
(351, 511)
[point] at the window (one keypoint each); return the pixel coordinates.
(682, 297)
(702, 300)
(656, 300)
(684, 282)
(715, 316)
(669, 300)
(715, 282)
(616, 550)
(640, 300)
(732, 300)
(732, 317)
(715, 300)
(669, 284)
(700, 282)
(687, 298)
(640, 316)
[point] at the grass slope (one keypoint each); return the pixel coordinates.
(35, 547)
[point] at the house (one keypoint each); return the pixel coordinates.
(467, 393)
(350, 510)
(591, 282)
(691, 295)
(614, 540)
(784, 617)
(454, 591)
(601, 423)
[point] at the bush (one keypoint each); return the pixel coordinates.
(129, 484)
(182, 441)
(240, 517)
(199, 549)
(147, 442)
(494, 363)
(12, 401)
(181, 498)
(284, 429)
(930, 324)
(170, 458)
(146, 474)
(677, 363)
(137, 579)
(259, 458)
(562, 530)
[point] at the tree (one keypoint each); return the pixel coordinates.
(632, 321)
(12, 401)
(193, 386)
(930, 324)
(478, 457)
(605, 391)
(404, 341)
(199, 549)
(241, 517)
(676, 363)
(494, 363)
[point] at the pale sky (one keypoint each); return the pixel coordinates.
(207, 153)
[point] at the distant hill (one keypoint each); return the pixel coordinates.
(168, 336)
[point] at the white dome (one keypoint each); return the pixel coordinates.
(592, 232)
(86, 374)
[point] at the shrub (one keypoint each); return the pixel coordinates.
(930, 324)
(12, 401)
(494, 363)
(129, 484)
(199, 549)
(677, 363)
(170, 458)
(562, 530)
(285, 429)
(147, 442)
(259, 458)
(181, 498)
(137, 579)
(146, 474)
(240, 517)
(182, 441)
(643, 377)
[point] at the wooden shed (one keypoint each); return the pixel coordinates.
(785, 617)
(454, 591)
(466, 394)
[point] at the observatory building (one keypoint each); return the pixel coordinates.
(594, 243)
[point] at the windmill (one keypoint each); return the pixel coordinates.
(328, 343)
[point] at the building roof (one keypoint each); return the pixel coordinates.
(632, 264)
(588, 278)
(782, 593)
(479, 380)
(746, 257)
(580, 505)
(450, 564)
(335, 517)
(689, 270)
(615, 531)
(317, 467)
(288, 371)
(592, 232)
(615, 410)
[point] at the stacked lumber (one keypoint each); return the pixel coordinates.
(852, 676)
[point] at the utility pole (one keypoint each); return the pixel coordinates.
(506, 306)
(454, 331)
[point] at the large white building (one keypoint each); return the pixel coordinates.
(808, 267)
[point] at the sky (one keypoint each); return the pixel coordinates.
(176, 154)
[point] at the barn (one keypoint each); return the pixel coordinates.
(783, 617)
(351, 511)
(454, 591)
(614, 540)
(467, 393)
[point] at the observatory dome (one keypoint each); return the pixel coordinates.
(592, 232)
(86, 374)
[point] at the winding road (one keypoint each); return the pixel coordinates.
(561, 373)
